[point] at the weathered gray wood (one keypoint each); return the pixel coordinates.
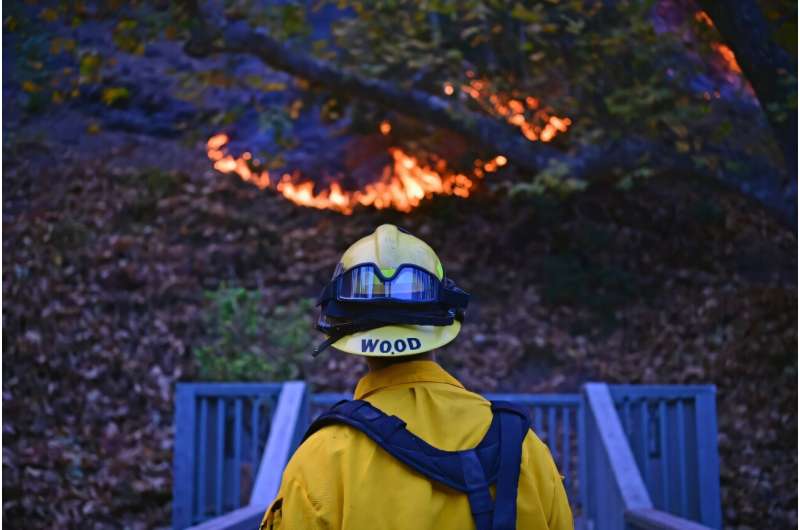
(652, 519)
(233, 389)
(708, 458)
(286, 422)
(183, 466)
(247, 518)
(626, 474)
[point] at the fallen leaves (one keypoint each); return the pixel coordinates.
(104, 273)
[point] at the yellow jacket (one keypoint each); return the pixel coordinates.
(340, 479)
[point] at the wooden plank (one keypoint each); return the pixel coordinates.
(666, 465)
(653, 392)
(323, 399)
(555, 400)
(626, 407)
(680, 435)
(247, 518)
(238, 427)
(286, 421)
(565, 447)
(184, 456)
(219, 458)
(651, 519)
(537, 422)
(234, 389)
(330, 398)
(643, 447)
(583, 465)
(625, 472)
(202, 456)
(708, 458)
(255, 426)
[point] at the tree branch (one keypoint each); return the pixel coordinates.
(489, 134)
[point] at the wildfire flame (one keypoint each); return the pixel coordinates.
(723, 50)
(406, 181)
(534, 122)
(728, 56)
(402, 185)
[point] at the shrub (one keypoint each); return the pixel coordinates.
(245, 343)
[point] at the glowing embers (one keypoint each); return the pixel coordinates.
(534, 122)
(402, 185)
(728, 56)
(723, 50)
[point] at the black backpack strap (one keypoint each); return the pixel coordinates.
(390, 433)
(514, 425)
(496, 459)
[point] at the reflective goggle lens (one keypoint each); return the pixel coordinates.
(409, 284)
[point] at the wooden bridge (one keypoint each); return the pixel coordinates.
(634, 457)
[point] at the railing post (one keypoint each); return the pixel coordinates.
(184, 456)
(708, 458)
(614, 482)
(583, 474)
(287, 427)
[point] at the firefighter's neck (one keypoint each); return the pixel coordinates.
(376, 363)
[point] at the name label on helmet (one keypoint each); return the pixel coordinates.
(387, 346)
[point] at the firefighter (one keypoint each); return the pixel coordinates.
(414, 449)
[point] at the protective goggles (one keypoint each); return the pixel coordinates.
(405, 284)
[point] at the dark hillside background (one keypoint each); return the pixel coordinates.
(130, 263)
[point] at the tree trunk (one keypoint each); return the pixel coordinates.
(767, 66)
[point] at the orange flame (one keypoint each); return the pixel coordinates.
(702, 16)
(402, 185)
(723, 50)
(534, 123)
(406, 181)
(728, 56)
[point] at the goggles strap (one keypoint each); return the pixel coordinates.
(379, 317)
(450, 295)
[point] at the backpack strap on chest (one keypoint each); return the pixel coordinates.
(496, 459)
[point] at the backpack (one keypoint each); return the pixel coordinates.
(495, 460)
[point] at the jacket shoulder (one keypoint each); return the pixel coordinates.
(327, 444)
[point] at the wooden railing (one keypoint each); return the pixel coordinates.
(209, 448)
(618, 498)
(672, 432)
(601, 440)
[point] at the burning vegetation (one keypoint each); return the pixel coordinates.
(407, 180)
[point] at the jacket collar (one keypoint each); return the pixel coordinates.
(404, 373)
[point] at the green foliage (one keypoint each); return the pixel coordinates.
(603, 64)
(247, 344)
(552, 179)
(114, 96)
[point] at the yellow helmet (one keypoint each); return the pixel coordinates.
(389, 297)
